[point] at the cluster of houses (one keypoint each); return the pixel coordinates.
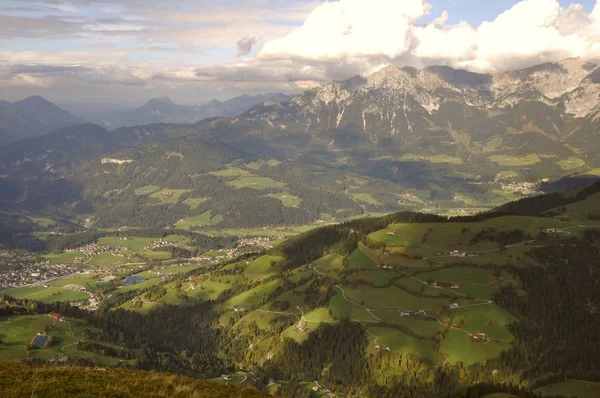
(18, 270)
(90, 304)
(437, 284)
(260, 241)
(411, 313)
(159, 244)
(524, 188)
(382, 347)
(456, 253)
(93, 249)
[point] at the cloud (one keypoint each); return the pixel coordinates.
(144, 46)
(360, 33)
(244, 45)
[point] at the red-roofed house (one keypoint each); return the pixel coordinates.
(56, 316)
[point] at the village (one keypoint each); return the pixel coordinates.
(94, 249)
(24, 269)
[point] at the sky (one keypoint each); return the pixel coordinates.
(128, 51)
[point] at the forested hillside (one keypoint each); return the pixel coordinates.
(407, 304)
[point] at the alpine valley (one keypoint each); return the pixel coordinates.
(417, 233)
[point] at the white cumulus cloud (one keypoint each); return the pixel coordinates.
(362, 32)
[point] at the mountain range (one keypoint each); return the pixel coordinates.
(32, 117)
(163, 110)
(436, 139)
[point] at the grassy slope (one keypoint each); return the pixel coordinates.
(54, 382)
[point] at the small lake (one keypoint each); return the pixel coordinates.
(133, 279)
(40, 341)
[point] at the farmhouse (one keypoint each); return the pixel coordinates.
(239, 309)
(479, 336)
(56, 316)
(454, 305)
(455, 286)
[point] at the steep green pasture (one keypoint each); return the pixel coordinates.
(169, 196)
(263, 267)
(420, 326)
(18, 331)
(255, 296)
(458, 346)
(286, 198)
(391, 297)
(512, 161)
(376, 277)
(490, 319)
(403, 343)
(341, 308)
(204, 219)
(147, 190)
(358, 260)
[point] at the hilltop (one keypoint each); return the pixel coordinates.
(49, 382)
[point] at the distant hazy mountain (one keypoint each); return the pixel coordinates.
(32, 117)
(163, 110)
(416, 139)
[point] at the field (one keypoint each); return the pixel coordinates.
(287, 199)
(204, 219)
(263, 267)
(106, 260)
(403, 343)
(230, 171)
(255, 182)
(425, 327)
(62, 258)
(193, 203)
(147, 190)
(358, 260)
(432, 159)
(18, 331)
(48, 294)
(132, 243)
(168, 196)
(458, 236)
(365, 197)
(458, 346)
(571, 164)
(391, 297)
(253, 297)
(510, 161)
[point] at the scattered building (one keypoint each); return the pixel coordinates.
(56, 316)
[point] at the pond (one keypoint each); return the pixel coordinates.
(40, 341)
(131, 279)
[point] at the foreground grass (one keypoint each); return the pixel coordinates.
(53, 382)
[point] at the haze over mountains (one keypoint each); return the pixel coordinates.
(31, 117)
(35, 116)
(402, 138)
(163, 110)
